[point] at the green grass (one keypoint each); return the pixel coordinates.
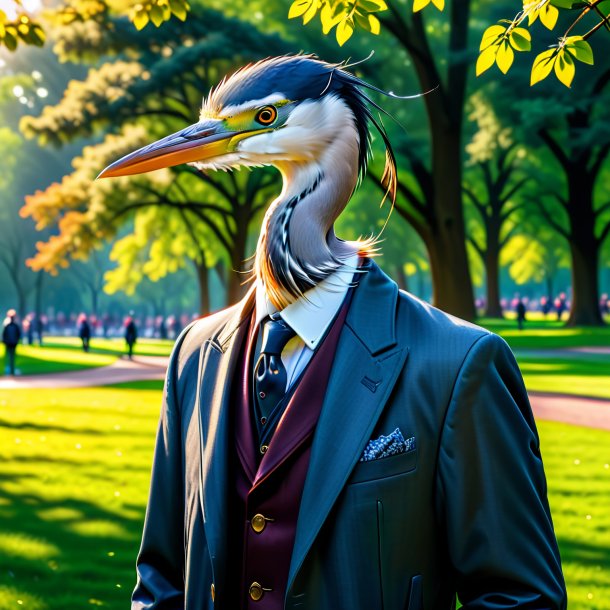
(542, 334)
(582, 375)
(74, 474)
(33, 360)
(60, 354)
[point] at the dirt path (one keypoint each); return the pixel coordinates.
(576, 410)
(141, 368)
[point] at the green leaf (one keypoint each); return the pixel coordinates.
(372, 6)
(491, 35)
(565, 4)
(580, 49)
(565, 68)
(156, 14)
(179, 9)
(140, 19)
(486, 60)
(298, 8)
(9, 40)
(549, 15)
(345, 29)
(543, 64)
(521, 39)
(505, 57)
(418, 5)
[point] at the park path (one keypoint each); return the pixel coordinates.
(141, 368)
(576, 410)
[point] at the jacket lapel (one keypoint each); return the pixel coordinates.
(217, 363)
(366, 365)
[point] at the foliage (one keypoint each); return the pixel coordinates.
(500, 41)
(18, 26)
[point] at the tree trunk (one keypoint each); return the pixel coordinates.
(38, 294)
(203, 276)
(585, 285)
(493, 309)
(550, 288)
(94, 299)
(584, 248)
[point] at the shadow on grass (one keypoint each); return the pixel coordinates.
(66, 553)
(10, 425)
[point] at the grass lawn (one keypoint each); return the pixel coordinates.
(543, 334)
(582, 375)
(74, 474)
(59, 354)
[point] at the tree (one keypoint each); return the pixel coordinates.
(491, 187)
(161, 92)
(575, 133)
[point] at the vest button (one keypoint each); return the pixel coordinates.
(256, 592)
(264, 449)
(213, 591)
(258, 523)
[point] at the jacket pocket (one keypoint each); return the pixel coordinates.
(384, 467)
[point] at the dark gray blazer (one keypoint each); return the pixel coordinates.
(465, 511)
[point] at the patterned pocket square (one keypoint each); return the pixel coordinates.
(385, 446)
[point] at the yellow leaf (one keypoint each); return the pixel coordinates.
(345, 29)
(418, 5)
(311, 12)
(543, 64)
(486, 60)
(375, 25)
(548, 15)
(491, 35)
(565, 68)
(440, 4)
(329, 21)
(298, 7)
(580, 49)
(140, 19)
(505, 57)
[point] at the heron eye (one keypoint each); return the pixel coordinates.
(266, 115)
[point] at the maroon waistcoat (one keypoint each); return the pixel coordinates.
(270, 485)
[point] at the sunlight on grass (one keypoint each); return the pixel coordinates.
(74, 475)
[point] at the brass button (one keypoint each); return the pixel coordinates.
(258, 523)
(264, 449)
(256, 591)
(213, 591)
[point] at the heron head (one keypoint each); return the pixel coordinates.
(277, 111)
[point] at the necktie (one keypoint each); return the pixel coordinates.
(270, 377)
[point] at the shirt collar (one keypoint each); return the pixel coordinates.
(311, 315)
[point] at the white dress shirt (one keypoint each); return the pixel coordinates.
(309, 316)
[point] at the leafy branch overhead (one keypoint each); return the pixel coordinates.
(500, 41)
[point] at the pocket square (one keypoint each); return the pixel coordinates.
(385, 446)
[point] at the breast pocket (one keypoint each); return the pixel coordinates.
(384, 467)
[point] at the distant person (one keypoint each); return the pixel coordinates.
(162, 328)
(28, 330)
(131, 334)
(11, 335)
(38, 325)
(84, 331)
(546, 304)
(105, 325)
(560, 305)
(521, 310)
(604, 304)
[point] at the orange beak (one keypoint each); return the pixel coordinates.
(198, 142)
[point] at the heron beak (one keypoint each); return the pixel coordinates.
(198, 142)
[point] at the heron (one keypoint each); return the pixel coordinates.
(313, 121)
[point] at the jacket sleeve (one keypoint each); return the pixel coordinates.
(160, 562)
(492, 496)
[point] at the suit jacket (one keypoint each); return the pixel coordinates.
(464, 511)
